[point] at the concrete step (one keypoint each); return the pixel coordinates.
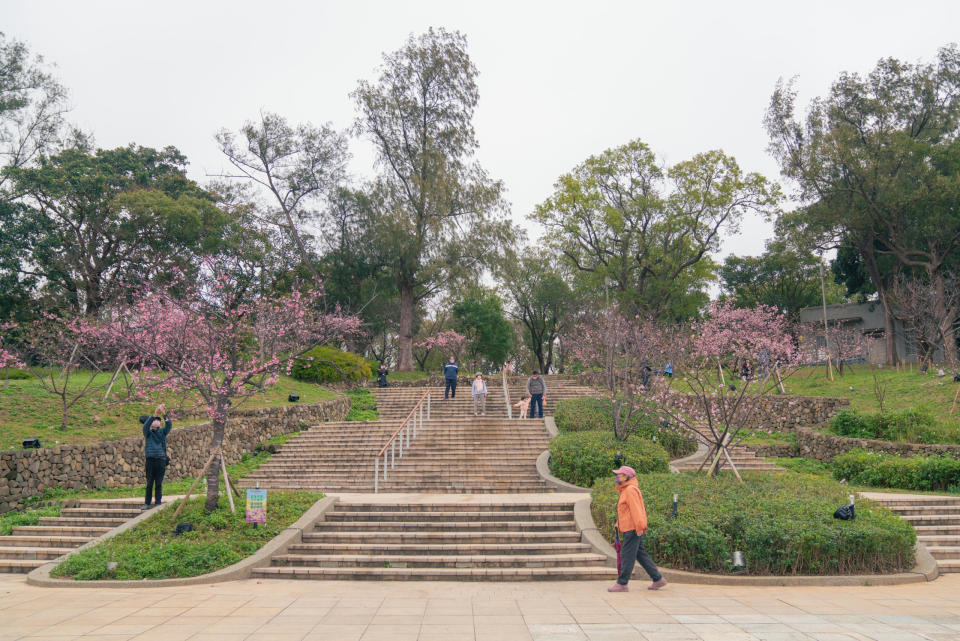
(450, 526)
(439, 561)
(948, 566)
(944, 551)
(20, 566)
(100, 512)
(43, 541)
(585, 573)
(51, 530)
(430, 508)
(32, 553)
(79, 522)
(382, 516)
(391, 536)
(415, 549)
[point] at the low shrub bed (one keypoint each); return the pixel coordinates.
(875, 469)
(594, 414)
(581, 457)
(220, 538)
(330, 365)
(783, 524)
(914, 425)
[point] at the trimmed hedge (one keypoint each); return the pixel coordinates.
(783, 524)
(581, 457)
(330, 365)
(915, 425)
(591, 414)
(875, 469)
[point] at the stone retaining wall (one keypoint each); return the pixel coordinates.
(823, 446)
(26, 473)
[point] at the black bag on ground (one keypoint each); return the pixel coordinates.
(845, 513)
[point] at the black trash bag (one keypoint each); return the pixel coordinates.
(845, 513)
(183, 527)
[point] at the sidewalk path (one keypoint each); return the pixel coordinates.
(401, 611)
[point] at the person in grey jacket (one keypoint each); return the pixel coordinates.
(155, 452)
(537, 389)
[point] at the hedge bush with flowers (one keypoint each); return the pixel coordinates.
(783, 524)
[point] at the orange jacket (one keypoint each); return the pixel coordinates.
(631, 515)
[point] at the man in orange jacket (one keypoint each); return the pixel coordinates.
(632, 523)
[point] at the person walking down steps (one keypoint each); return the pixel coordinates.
(479, 393)
(155, 453)
(537, 389)
(632, 523)
(450, 371)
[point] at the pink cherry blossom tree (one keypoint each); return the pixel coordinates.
(449, 341)
(622, 351)
(720, 413)
(209, 337)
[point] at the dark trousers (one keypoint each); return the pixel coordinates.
(536, 402)
(451, 388)
(634, 550)
(155, 471)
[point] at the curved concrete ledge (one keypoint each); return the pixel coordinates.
(543, 469)
(924, 570)
(240, 570)
(696, 457)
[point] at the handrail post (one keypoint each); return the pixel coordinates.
(408, 434)
(506, 394)
(376, 474)
(421, 419)
(428, 405)
(401, 441)
(393, 453)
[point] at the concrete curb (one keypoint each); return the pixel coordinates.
(925, 569)
(696, 457)
(543, 462)
(240, 570)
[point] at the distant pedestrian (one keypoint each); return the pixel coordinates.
(668, 370)
(479, 393)
(450, 371)
(155, 453)
(382, 372)
(632, 524)
(537, 389)
(523, 406)
(645, 375)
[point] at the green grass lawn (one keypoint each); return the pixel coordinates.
(904, 389)
(26, 410)
(151, 550)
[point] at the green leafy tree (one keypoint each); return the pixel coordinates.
(91, 222)
(542, 302)
(439, 215)
(481, 319)
(877, 158)
(623, 218)
(782, 277)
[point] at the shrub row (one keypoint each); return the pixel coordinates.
(782, 523)
(929, 473)
(915, 425)
(582, 457)
(591, 414)
(330, 365)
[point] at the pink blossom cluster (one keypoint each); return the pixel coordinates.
(8, 357)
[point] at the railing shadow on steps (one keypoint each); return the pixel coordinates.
(408, 425)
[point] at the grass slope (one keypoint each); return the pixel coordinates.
(26, 410)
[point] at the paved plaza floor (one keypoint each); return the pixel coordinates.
(401, 611)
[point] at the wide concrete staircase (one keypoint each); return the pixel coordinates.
(394, 403)
(936, 520)
(500, 541)
(743, 457)
(30, 546)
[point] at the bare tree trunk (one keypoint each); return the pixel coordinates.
(213, 469)
(889, 321)
(946, 317)
(405, 337)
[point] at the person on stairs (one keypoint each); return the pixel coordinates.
(632, 524)
(382, 372)
(155, 453)
(450, 371)
(479, 393)
(537, 389)
(523, 406)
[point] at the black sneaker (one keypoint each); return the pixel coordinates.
(145, 506)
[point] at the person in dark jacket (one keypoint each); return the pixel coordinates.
(382, 375)
(450, 371)
(155, 452)
(537, 389)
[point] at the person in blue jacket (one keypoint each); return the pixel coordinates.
(155, 452)
(450, 371)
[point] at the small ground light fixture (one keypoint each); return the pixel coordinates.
(851, 498)
(675, 500)
(738, 560)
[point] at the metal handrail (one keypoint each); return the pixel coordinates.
(506, 394)
(407, 425)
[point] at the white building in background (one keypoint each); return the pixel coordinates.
(868, 319)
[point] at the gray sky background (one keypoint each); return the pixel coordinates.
(559, 80)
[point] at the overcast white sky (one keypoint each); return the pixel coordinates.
(559, 80)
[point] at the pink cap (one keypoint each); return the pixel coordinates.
(625, 469)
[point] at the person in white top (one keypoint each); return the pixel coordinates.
(479, 392)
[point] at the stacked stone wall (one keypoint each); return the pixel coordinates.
(823, 446)
(26, 473)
